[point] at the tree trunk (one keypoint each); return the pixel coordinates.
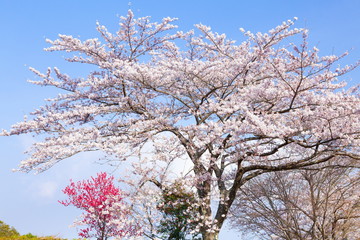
(210, 236)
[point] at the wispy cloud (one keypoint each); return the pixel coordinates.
(47, 189)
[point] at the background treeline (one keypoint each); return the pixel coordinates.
(10, 233)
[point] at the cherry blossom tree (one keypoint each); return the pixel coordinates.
(106, 213)
(301, 205)
(233, 110)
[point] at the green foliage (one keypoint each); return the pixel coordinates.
(6, 231)
(10, 233)
(179, 209)
(30, 236)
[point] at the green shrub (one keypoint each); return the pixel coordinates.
(10, 233)
(6, 231)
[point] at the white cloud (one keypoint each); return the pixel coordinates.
(26, 141)
(47, 189)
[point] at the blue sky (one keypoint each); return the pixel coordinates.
(28, 201)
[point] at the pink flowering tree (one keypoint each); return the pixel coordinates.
(106, 214)
(227, 112)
